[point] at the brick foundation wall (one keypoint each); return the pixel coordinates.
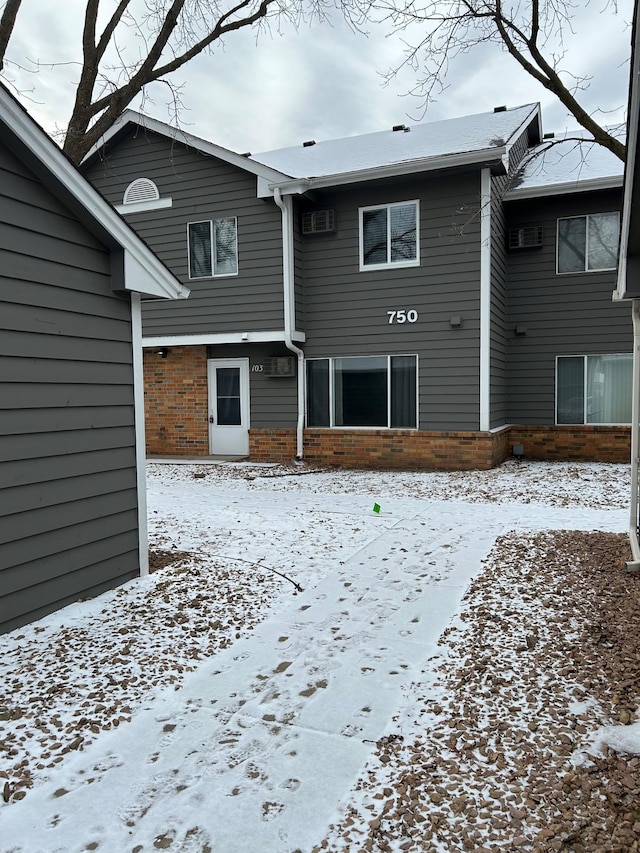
(400, 449)
(176, 402)
(404, 449)
(573, 443)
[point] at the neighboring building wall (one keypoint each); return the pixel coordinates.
(68, 515)
(346, 309)
(201, 188)
(556, 314)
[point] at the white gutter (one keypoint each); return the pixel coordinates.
(391, 170)
(634, 564)
(286, 206)
(485, 299)
(544, 190)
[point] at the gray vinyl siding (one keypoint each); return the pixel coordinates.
(346, 309)
(68, 492)
(498, 346)
(563, 314)
(201, 188)
(273, 400)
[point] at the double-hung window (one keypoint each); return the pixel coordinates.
(588, 243)
(389, 235)
(363, 391)
(213, 247)
(593, 389)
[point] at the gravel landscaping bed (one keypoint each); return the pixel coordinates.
(503, 757)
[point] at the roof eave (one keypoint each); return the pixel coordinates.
(177, 135)
(564, 188)
(493, 157)
(158, 281)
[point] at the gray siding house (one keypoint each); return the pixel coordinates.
(367, 301)
(72, 493)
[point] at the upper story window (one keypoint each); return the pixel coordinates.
(213, 247)
(142, 194)
(389, 235)
(588, 243)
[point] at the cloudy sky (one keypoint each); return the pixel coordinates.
(322, 81)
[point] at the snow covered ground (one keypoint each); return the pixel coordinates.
(235, 700)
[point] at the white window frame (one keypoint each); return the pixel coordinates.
(389, 264)
(211, 223)
(586, 217)
(585, 395)
(332, 423)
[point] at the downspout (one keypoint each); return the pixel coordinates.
(485, 300)
(634, 564)
(286, 206)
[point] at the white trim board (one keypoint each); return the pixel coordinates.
(277, 336)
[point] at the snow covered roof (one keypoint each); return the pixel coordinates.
(439, 144)
(567, 164)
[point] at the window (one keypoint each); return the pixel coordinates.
(389, 236)
(588, 243)
(213, 248)
(593, 389)
(363, 391)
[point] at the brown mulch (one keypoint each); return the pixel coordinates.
(495, 756)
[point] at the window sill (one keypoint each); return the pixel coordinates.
(392, 266)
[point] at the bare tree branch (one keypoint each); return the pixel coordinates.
(528, 31)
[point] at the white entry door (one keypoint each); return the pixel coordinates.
(229, 406)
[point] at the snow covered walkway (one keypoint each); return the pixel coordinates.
(259, 748)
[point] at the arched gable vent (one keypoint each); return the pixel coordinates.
(142, 189)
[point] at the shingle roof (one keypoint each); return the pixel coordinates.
(469, 135)
(567, 164)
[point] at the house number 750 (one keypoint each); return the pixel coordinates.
(401, 316)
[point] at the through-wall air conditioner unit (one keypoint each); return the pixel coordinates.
(280, 365)
(318, 222)
(527, 237)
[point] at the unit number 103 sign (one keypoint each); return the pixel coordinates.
(402, 316)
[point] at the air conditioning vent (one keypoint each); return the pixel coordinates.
(277, 366)
(528, 237)
(318, 222)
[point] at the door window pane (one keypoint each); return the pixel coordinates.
(360, 389)
(228, 396)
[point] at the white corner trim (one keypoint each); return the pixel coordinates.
(140, 206)
(141, 455)
(277, 336)
(485, 299)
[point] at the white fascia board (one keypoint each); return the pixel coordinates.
(610, 183)
(277, 336)
(410, 167)
(31, 135)
(176, 135)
